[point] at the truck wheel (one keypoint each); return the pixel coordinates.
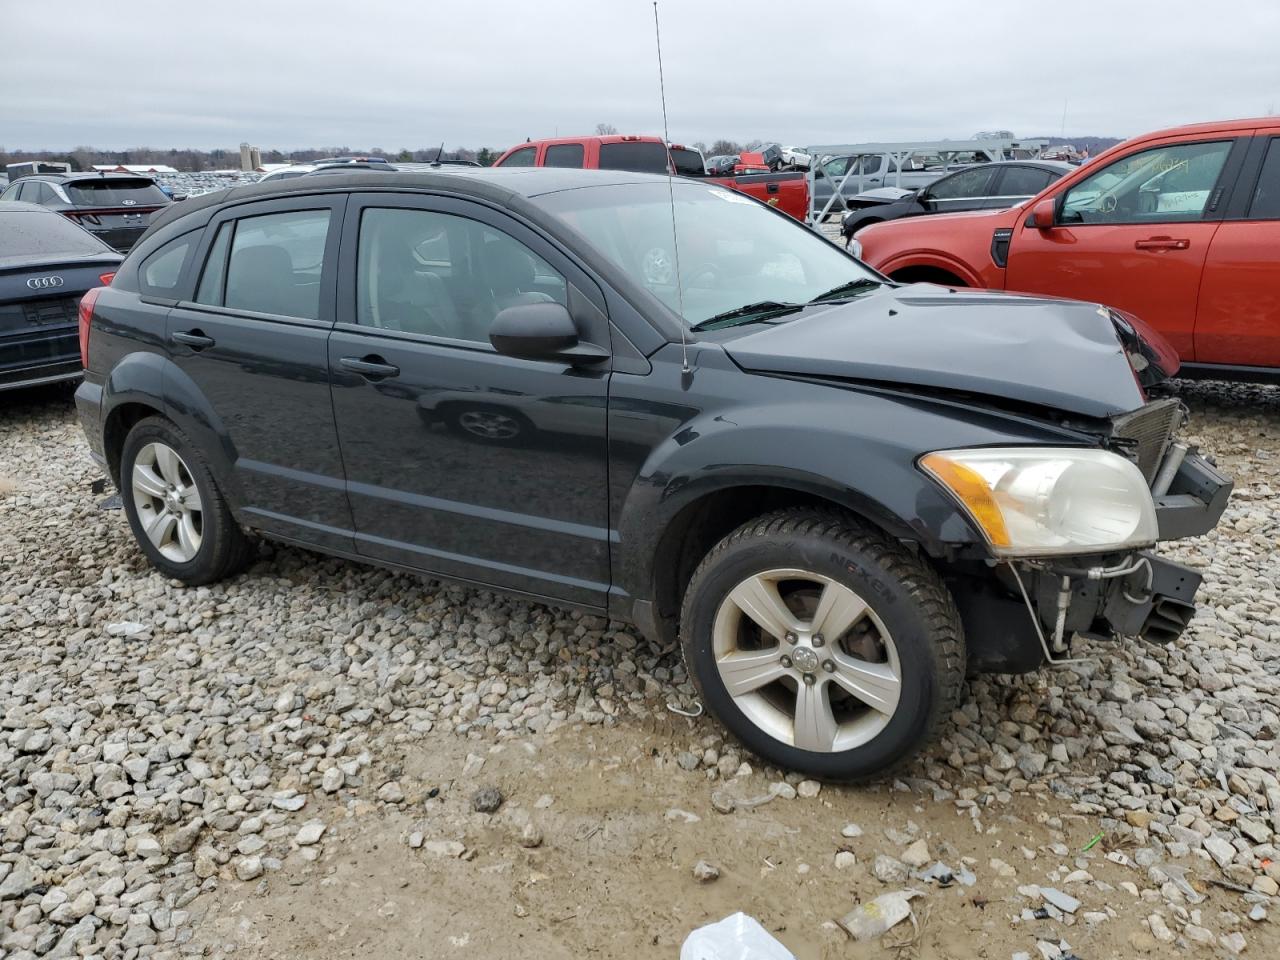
(176, 512)
(824, 646)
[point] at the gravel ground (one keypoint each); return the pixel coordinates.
(160, 746)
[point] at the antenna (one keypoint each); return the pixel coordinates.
(671, 195)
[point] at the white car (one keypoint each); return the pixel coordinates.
(795, 157)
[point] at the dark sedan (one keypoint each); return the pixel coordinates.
(46, 265)
(115, 207)
(993, 186)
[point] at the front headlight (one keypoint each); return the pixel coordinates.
(855, 247)
(1037, 501)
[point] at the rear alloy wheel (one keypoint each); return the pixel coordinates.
(174, 506)
(167, 502)
(824, 646)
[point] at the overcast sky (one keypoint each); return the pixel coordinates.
(411, 73)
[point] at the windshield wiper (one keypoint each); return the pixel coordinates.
(762, 310)
(844, 289)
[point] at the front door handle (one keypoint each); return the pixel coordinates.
(1162, 243)
(194, 339)
(372, 367)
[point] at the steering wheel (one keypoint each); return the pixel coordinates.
(704, 274)
(1109, 203)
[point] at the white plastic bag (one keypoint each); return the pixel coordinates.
(736, 937)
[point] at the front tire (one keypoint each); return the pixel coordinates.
(175, 509)
(823, 645)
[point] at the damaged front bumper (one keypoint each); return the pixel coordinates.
(1029, 612)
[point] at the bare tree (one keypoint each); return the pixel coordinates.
(605, 130)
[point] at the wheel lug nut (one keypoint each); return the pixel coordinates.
(786, 662)
(829, 666)
(792, 638)
(809, 679)
(817, 640)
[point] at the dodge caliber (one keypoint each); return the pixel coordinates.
(662, 402)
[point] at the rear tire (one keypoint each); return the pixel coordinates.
(849, 706)
(175, 509)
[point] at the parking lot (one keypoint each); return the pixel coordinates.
(288, 764)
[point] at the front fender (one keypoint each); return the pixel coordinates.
(853, 449)
(936, 259)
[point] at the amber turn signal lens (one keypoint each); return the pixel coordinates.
(972, 491)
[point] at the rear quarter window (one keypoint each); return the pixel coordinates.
(161, 272)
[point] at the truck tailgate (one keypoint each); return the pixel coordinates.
(789, 191)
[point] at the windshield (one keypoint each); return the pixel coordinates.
(734, 251)
(115, 193)
(35, 233)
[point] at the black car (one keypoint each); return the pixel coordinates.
(995, 186)
(46, 265)
(838, 492)
(115, 207)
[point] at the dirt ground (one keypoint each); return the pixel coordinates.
(612, 877)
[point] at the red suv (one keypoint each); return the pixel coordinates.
(1179, 227)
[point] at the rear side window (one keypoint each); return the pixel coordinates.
(1266, 195)
(45, 233)
(115, 193)
(11, 192)
(273, 266)
(563, 155)
(1023, 181)
(160, 272)
(634, 157)
(961, 186)
(524, 157)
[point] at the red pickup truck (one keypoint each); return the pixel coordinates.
(1180, 228)
(789, 192)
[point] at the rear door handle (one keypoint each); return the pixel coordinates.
(193, 339)
(1162, 243)
(372, 367)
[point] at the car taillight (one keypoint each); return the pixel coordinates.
(86, 319)
(106, 278)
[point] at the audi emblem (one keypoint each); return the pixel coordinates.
(44, 283)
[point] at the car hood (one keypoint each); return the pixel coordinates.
(890, 225)
(1060, 354)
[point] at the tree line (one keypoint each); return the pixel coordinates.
(190, 160)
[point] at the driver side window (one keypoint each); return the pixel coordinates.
(1169, 183)
(442, 275)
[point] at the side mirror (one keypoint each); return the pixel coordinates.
(1043, 214)
(541, 331)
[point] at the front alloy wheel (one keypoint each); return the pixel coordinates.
(807, 660)
(825, 646)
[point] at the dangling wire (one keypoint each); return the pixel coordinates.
(671, 195)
